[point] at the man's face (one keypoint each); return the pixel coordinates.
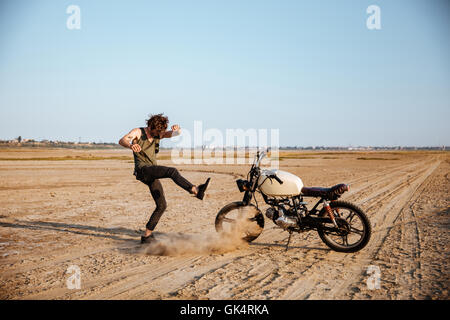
(157, 133)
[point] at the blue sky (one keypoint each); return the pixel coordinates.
(311, 69)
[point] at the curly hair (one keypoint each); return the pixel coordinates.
(158, 122)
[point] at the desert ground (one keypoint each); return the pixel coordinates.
(84, 208)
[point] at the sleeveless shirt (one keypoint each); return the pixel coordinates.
(147, 156)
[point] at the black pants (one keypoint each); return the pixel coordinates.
(150, 175)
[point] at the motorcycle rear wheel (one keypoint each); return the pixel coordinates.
(246, 220)
(359, 229)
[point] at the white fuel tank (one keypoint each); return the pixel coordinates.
(292, 185)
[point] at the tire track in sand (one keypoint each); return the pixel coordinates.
(405, 258)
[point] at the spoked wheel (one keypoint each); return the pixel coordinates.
(237, 219)
(354, 229)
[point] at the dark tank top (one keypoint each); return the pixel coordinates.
(147, 156)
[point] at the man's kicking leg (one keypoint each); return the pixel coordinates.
(161, 172)
(152, 174)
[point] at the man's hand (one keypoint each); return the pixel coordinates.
(172, 133)
(133, 135)
(136, 148)
(175, 130)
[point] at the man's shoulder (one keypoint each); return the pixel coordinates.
(138, 130)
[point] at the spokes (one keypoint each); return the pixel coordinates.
(351, 228)
(356, 230)
(345, 239)
(350, 217)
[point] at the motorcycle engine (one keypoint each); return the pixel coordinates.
(280, 218)
(272, 214)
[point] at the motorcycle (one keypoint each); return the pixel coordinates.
(341, 225)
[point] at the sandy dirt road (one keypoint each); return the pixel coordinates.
(55, 214)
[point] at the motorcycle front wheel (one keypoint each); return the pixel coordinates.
(237, 219)
(354, 229)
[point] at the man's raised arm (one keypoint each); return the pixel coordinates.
(126, 140)
(176, 130)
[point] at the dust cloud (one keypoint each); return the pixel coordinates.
(229, 239)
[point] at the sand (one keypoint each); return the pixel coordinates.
(90, 214)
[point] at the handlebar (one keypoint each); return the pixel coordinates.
(260, 155)
(276, 178)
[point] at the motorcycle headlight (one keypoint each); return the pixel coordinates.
(243, 185)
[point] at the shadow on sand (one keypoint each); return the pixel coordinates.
(284, 246)
(107, 233)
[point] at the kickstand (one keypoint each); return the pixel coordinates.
(289, 240)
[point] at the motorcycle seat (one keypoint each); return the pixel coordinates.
(332, 193)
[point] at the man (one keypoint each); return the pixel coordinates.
(145, 145)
